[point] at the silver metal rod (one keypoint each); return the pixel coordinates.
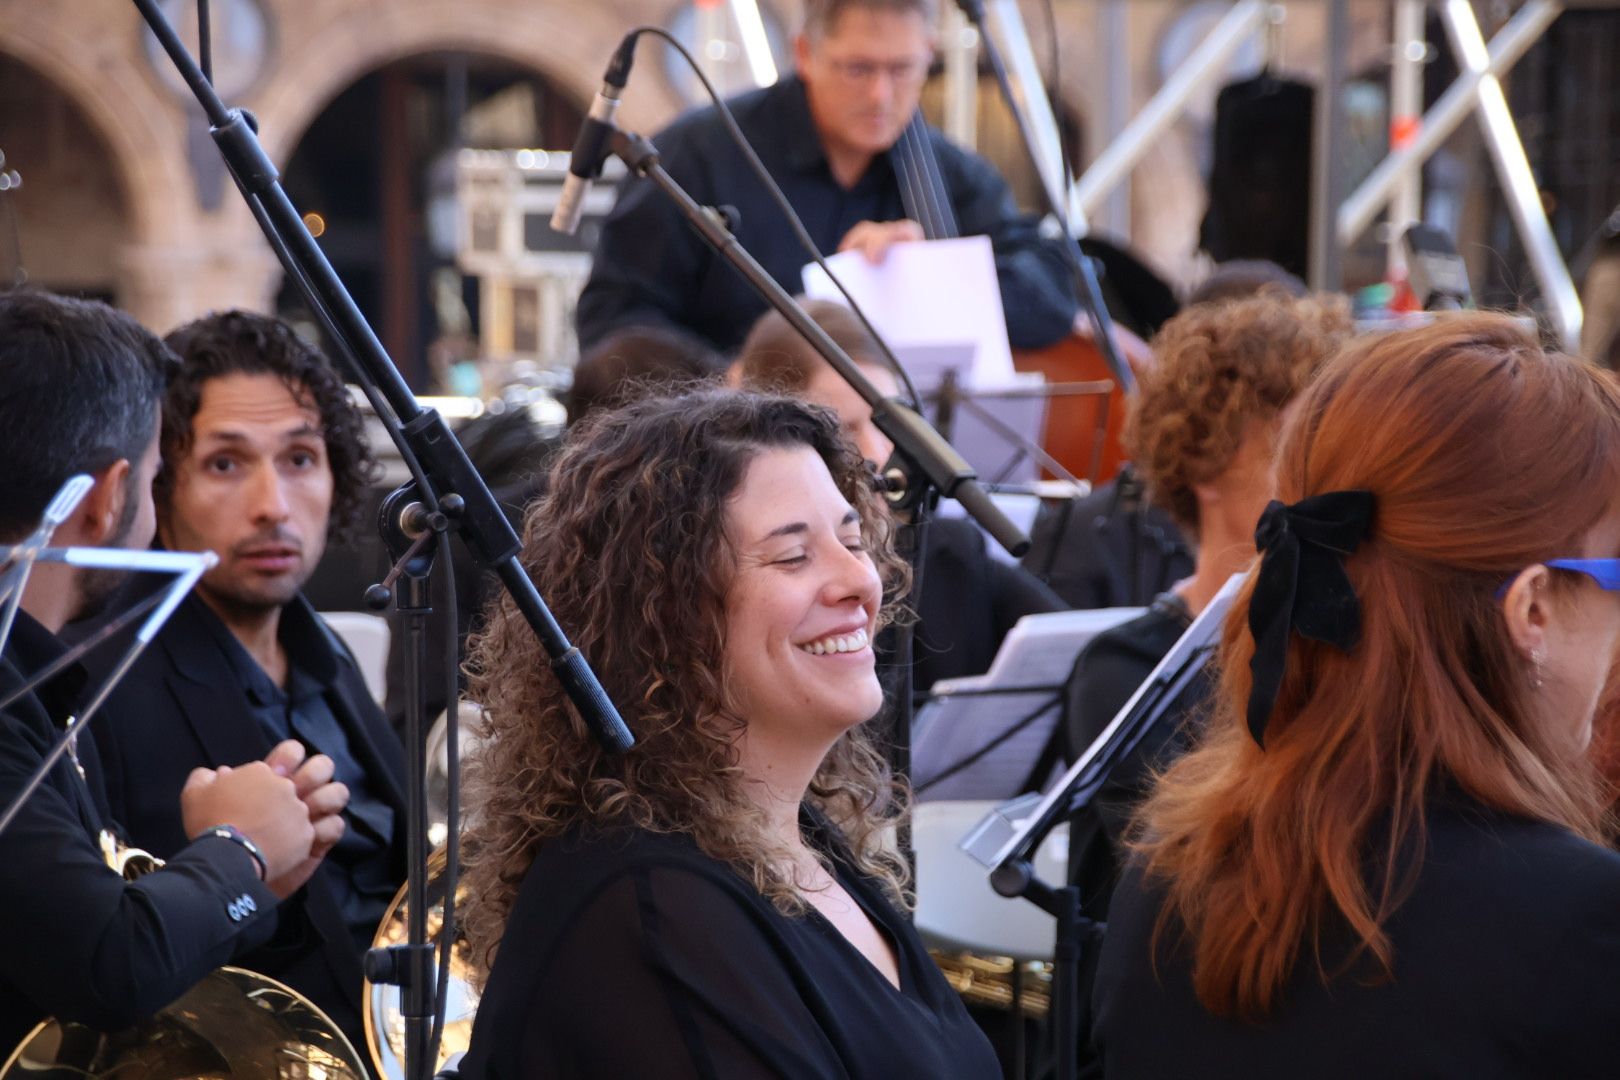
(1114, 32)
(1513, 169)
(1453, 107)
(960, 44)
(1204, 64)
(1408, 51)
(1005, 23)
(756, 47)
(1325, 265)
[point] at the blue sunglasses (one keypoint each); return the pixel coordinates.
(1606, 572)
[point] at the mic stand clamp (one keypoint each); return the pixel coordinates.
(413, 536)
(1016, 878)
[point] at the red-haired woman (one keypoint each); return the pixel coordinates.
(1385, 858)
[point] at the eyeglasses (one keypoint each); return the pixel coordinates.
(863, 72)
(1606, 572)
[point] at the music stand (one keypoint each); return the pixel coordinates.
(1005, 841)
(983, 736)
(988, 408)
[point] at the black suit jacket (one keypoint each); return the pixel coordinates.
(81, 943)
(184, 709)
(1505, 962)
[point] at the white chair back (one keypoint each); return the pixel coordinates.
(367, 637)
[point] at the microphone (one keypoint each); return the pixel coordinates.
(591, 144)
(1437, 274)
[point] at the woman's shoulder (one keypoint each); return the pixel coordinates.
(584, 860)
(1143, 638)
(616, 881)
(1519, 854)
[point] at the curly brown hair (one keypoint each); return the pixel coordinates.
(631, 543)
(1219, 369)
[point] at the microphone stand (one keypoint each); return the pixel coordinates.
(1085, 276)
(924, 466)
(444, 479)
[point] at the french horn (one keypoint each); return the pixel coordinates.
(234, 1023)
(385, 1024)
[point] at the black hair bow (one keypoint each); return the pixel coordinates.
(1301, 585)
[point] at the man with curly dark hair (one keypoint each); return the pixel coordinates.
(264, 460)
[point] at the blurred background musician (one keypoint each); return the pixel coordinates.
(1113, 547)
(1386, 855)
(1202, 431)
(717, 901)
(80, 386)
(969, 599)
(639, 361)
(832, 136)
(264, 459)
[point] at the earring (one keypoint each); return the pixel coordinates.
(1539, 660)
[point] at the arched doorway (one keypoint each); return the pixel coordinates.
(365, 174)
(66, 226)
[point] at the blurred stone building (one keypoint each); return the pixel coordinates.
(123, 196)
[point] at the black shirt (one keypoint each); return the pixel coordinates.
(651, 268)
(636, 955)
(1505, 960)
(301, 710)
(1107, 548)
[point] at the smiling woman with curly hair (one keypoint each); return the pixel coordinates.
(722, 560)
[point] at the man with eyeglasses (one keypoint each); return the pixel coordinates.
(826, 135)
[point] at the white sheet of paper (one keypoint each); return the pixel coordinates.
(935, 293)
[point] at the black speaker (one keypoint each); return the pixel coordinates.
(1260, 179)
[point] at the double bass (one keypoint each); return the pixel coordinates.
(1083, 431)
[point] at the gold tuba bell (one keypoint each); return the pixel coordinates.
(234, 1023)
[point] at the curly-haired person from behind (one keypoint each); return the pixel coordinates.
(717, 902)
(1385, 857)
(1202, 430)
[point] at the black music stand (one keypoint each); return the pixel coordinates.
(1006, 840)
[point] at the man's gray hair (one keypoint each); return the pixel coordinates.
(821, 15)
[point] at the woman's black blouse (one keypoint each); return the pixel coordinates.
(633, 954)
(1506, 964)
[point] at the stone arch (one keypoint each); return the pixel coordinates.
(120, 103)
(568, 46)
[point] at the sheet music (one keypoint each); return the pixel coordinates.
(962, 716)
(937, 304)
(938, 293)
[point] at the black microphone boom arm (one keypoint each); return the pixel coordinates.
(923, 452)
